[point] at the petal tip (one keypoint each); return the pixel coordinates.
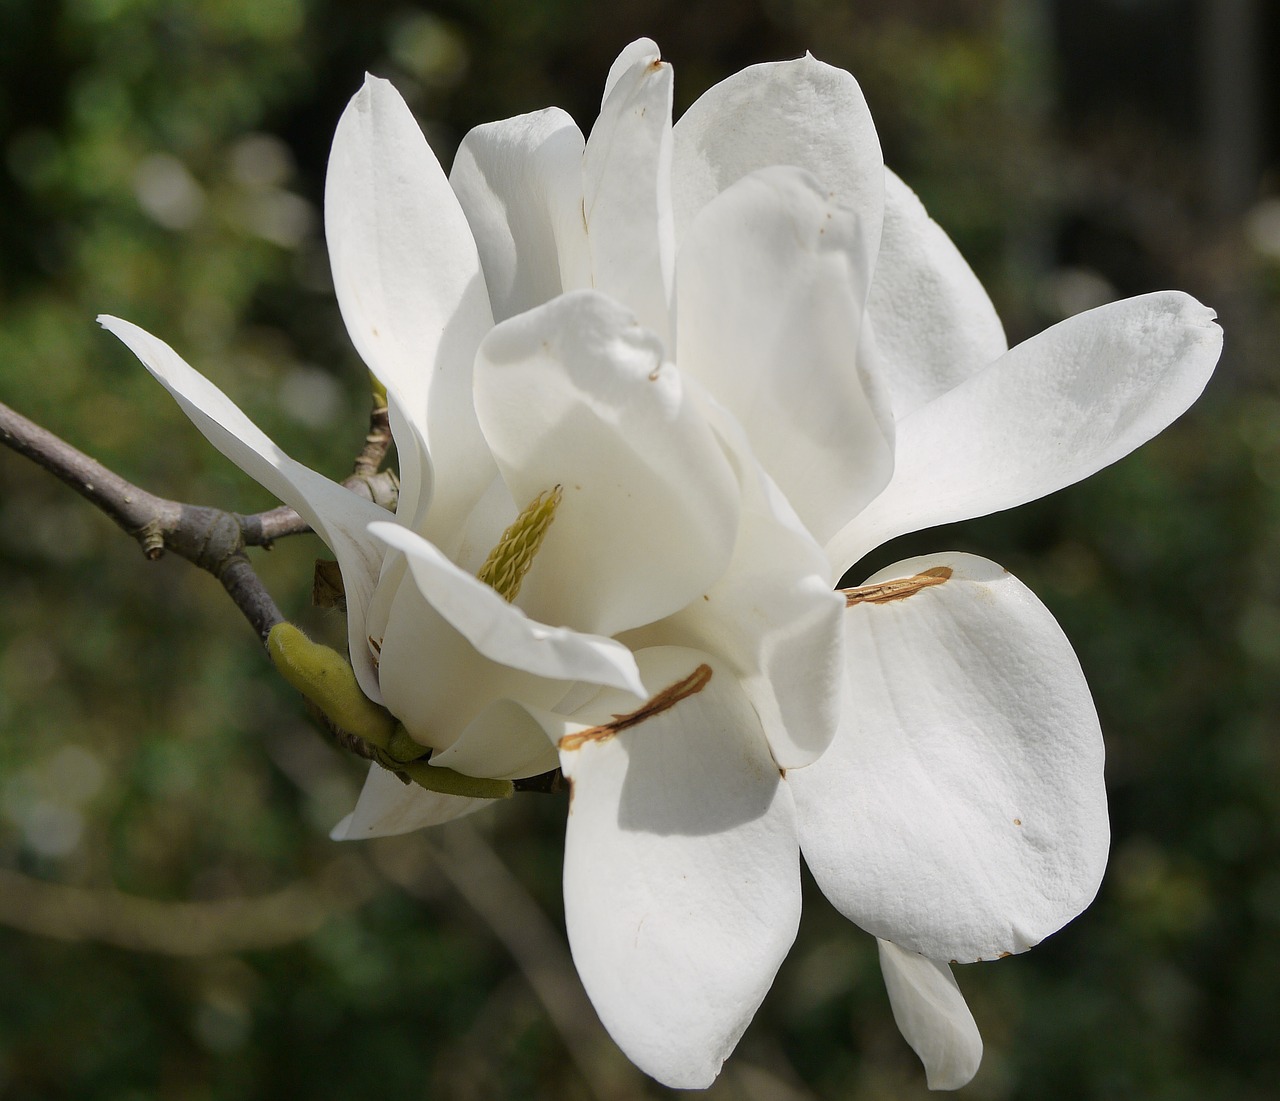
(342, 831)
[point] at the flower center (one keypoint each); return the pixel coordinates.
(509, 561)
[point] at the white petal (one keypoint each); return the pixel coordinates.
(645, 49)
(433, 680)
(626, 175)
(681, 881)
(802, 113)
(520, 185)
(502, 632)
(960, 811)
(932, 1015)
(504, 742)
(408, 281)
(1048, 413)
(935, 325)
(773, 616)
(388, 806)
(771, 283)
(338, 516)
(576, 394)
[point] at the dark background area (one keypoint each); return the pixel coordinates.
(174, 922)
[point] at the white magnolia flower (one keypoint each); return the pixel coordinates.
(694, 373)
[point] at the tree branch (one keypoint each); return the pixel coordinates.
(108, 916)
(210, 538)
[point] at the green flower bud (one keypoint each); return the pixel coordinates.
(326, 678)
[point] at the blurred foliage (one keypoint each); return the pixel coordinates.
(163, 160)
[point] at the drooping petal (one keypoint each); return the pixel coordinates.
(932, 1016)
(388, 806)
(773, 615)
(771, 283)
(681, 881)
(1048, 413)
(503, 633)
(338, 516)
(802, 113)
(626, 175)
(520, 185)
(960, 811)
(576, 394)
(409, 284)
(935, 325)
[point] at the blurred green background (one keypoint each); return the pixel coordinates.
(174, 922)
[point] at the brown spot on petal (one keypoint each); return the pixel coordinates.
(1004, 955)
(1017, 821)
(884, 592)
(691, 685)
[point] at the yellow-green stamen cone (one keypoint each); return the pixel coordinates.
(510, 560)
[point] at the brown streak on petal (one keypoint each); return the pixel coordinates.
(1004, 955)
(694, 683)
(885, 592)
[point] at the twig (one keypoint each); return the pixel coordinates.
(107, 916)
(213, 539)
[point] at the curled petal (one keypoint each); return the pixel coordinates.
(575, 394)
(520, 184)
(626, 175)
(960, 811)
(935, 325)
(1048, 413)
(412, 294)
(681, 878)
(501, 632)
(338, 516)
(932, 1016)
(504, 742)
(800, 113)
(772, 278)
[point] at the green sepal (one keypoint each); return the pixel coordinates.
(448, 782)
(326, 678)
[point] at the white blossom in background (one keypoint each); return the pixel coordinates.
(713, 365)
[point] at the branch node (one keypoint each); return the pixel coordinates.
(151, 538)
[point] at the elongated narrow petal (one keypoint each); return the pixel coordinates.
(626, 176)
(1048, 413)
(772, 616)
(520, 185)
(501, 631)
(960, 811)
(576, 394)
(409, 283)
(338, 516)
(772, 277)
(388, 806)
(681, 879)
(801, 113)
(935, 325)
(932, 1016)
